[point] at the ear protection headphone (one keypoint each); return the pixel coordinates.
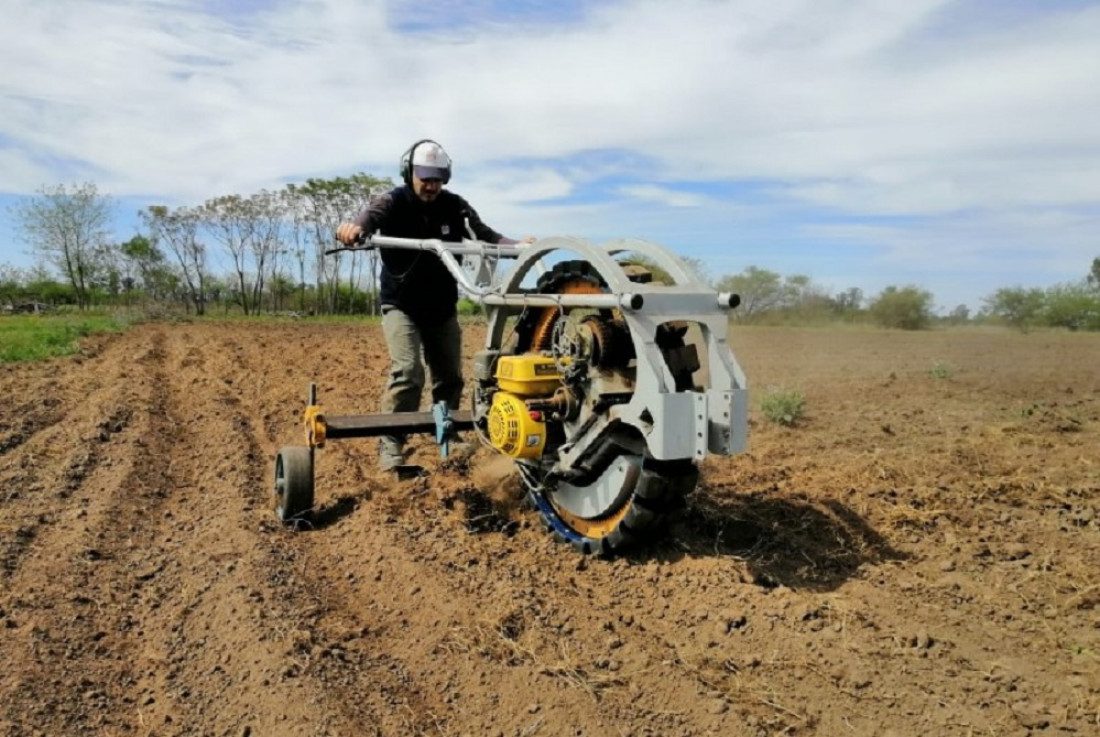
(407, 158)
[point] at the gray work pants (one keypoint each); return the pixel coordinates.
(442, 350)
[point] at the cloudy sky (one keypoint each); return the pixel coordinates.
(950, 144)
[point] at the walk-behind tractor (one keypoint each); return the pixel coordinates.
(607, 387)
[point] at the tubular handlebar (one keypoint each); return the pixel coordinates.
(446, 250)
(466, 247)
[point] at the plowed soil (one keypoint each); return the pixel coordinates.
(918, 556)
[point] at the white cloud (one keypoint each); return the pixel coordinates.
(921, 108)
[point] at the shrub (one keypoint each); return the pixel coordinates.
(468, 308)
(940, 370)
(907, 308)
(1018, 307)
(783, 406)
(1073, 306)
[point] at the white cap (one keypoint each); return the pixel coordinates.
(430, 161)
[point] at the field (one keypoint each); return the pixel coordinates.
(917, 556)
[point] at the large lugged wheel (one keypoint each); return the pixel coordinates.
(627, 499)
(648, 493)
(293, 484)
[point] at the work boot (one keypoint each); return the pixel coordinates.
(390, 454)
(389, 461)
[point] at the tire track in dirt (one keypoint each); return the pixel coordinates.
(332, 640)
(256, 657)
(73, 569)
(227, 662)
(38, 462)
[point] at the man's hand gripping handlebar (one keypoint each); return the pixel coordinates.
(351, 238)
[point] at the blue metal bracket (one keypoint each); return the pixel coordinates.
(444, 428)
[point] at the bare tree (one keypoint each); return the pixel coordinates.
(230, 223)
(269, 211)
(248, 228)
(70, 229)
(325, 204)
(178, 231)
(299, 236)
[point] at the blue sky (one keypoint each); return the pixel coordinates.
(950, 144)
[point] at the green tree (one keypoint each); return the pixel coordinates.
(141, 257)
(849, 300)
(1073, 306)
(41, 286)
(1018, 307)
(69, 227)
(905, 308)
(11, 284)
(1094, 274)
(698, 267)
(760, 290)
(804, 301)
(280, 287)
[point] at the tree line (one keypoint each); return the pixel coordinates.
(767, 296)
(1073, 305)
(266, 252)
(259, 252)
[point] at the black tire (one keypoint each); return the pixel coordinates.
(293, 484)
(659, 494)
(642, 515)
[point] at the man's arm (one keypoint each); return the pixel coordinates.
(367, 222)
(506, 241)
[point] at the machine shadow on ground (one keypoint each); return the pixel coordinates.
(783, 539)
(791, 541)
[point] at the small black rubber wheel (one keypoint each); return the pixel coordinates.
(293, 483)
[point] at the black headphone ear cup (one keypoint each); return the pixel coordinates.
(406, 163)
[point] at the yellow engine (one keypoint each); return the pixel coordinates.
(514, 430)
(528, 375)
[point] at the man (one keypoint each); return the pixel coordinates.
(419, 295)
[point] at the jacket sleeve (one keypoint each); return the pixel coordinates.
(374, 215)
(481, 230)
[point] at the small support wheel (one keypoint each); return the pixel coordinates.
(293, 484)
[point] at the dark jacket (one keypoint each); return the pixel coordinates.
(417, 282)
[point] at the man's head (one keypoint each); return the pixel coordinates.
(426, 167)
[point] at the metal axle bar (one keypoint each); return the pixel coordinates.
(394, 423)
